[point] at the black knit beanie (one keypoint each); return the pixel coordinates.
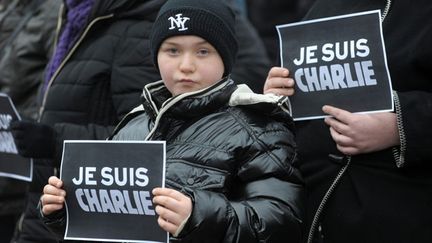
(211, 20)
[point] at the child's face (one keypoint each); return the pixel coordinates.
(189, 63)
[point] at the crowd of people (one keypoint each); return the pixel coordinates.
(120, 70)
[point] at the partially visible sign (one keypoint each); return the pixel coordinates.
(11, 163)
(338, 61)
(108, 186)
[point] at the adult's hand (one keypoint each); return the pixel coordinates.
(361, 133)
(278, 82)
(34, 140)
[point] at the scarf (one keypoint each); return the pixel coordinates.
(77, 16)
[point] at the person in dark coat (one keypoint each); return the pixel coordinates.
(101, 62)
(10, 15)
(26, 52)
(266, 14)
(237, 146)
(27, 31)
(384, 191)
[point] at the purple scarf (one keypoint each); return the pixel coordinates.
(76, 20)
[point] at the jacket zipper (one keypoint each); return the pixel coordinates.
(399, 153)
(315, 221)
(386, 10)
(59, 24)
(68, 57)
(327, 195)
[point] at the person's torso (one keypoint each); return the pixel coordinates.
(88, 87)
(206, 144)
(366, 195)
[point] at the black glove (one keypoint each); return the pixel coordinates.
(34, 140)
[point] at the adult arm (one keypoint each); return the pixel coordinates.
(414, 117)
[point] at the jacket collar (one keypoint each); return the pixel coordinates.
(198, 103)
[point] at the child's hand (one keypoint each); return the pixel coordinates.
(53, 196)
(173, 208)
(278, 82)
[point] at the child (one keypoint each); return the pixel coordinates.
(230, 152)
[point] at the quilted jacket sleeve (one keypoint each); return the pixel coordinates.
(267, 206)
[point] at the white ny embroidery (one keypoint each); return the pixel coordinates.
(179, 22)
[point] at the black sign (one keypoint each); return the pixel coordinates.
(108, 186)
(11, 164)
(338, 61)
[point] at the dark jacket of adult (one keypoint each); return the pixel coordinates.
(25, 53)
(9, 18)
(383, 196)
(232, 152)
(29, 27)
(101, 79)
(266, 14)
(98, 82)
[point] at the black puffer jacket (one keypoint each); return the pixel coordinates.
(234, 159)
(237, 166)
(23, 61)
(102, 78)
(100, 81)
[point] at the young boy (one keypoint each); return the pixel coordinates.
(230, 152)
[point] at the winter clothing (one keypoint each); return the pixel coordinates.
(33, 139)
(100, 79)
(253, 151)
(251, 64)
(23, 59)
(10, 15)
(77, 15)
(236, 166)
(198, 16)
(383, 196)
(266, 14)
(26, 33)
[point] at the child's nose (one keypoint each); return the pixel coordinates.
(187, 63)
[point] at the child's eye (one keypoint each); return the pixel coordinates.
(203, 52)
(172, 51)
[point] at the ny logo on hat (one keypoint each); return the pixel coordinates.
(179, 22)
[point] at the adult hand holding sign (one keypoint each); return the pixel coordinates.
(278, 82)
(361, 133)
(339, 61)
(353, 133)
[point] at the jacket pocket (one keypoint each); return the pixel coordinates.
(180, 174)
